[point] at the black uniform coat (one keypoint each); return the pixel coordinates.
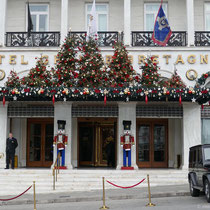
(11, 145)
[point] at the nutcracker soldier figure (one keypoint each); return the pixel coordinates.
(61, 141)
(126, 141)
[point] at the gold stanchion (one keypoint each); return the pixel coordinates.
(34, 195)
(54, 178)
(150, 204)
(59, 157)
(104, 205)
(56, 173)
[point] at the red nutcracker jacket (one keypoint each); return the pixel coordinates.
(61, 141)
(127, 140)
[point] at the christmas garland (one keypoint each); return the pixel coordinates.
(202, 79)
(135, 93)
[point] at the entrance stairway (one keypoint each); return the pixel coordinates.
(14, 182)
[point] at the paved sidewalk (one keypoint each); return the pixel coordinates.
(96, 195)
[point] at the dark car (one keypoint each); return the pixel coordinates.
(199, 170)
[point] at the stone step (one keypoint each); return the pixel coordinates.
(13, 182)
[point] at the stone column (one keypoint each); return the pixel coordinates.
(127, 22)
(64, 19)
(190, 22)
(191, 130)
(62, 111)
(127, 111)
(3, 12)
(3, 134)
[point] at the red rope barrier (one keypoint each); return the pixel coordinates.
(125, 187)
(9, 199)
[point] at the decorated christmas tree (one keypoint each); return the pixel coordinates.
(91, 65)
(121, 72)
(174, 82)
(38, 76)
(13, 80)
(66, 72)
(150, 76)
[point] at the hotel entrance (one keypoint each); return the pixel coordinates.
(40, 142)
(97, 142)
(152, 143)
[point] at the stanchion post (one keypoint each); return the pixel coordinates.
(150, 204)
(54, 178)
(34, 195)
(104, 205)
(59, 162)
(56, 172)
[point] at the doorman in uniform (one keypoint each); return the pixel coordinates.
(61, 140)
(126, 141)
(11, 145)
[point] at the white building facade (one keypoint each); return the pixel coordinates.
(163, 131)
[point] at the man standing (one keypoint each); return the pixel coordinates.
(10, 150)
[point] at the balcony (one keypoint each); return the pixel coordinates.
(36, 39)
(105, 38)
(144, 39)
(202, 38)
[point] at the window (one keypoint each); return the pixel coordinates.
(150, 13)
(39, 16)
(207, 154)
(205, 131)
(207, 16)
(102, 16)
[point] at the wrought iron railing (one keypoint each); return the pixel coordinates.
(105, 38)
(144, 39)
(202, 38)
(36, 39)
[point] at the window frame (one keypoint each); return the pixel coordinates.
(155, 14)
(87, 13)
(37, 14)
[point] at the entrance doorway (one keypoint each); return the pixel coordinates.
(152, 143)
(97, 139)
(40, 142)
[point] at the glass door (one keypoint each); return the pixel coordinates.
(96, 144)
(40, 143)
(152, 144)
(86, 144)
(105, 151)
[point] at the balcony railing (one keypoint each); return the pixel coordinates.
(105, 38)
(144, 39)
(202, 38)
(36, 39)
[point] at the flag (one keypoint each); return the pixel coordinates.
(92, 27)
(162, 31)
(30, 24)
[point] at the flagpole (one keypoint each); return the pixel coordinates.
(161, 2)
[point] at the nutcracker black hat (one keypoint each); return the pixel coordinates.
(127, 124)
(61, 124)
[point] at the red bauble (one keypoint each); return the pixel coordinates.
(206, 75)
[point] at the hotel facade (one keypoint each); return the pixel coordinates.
(163, 130)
